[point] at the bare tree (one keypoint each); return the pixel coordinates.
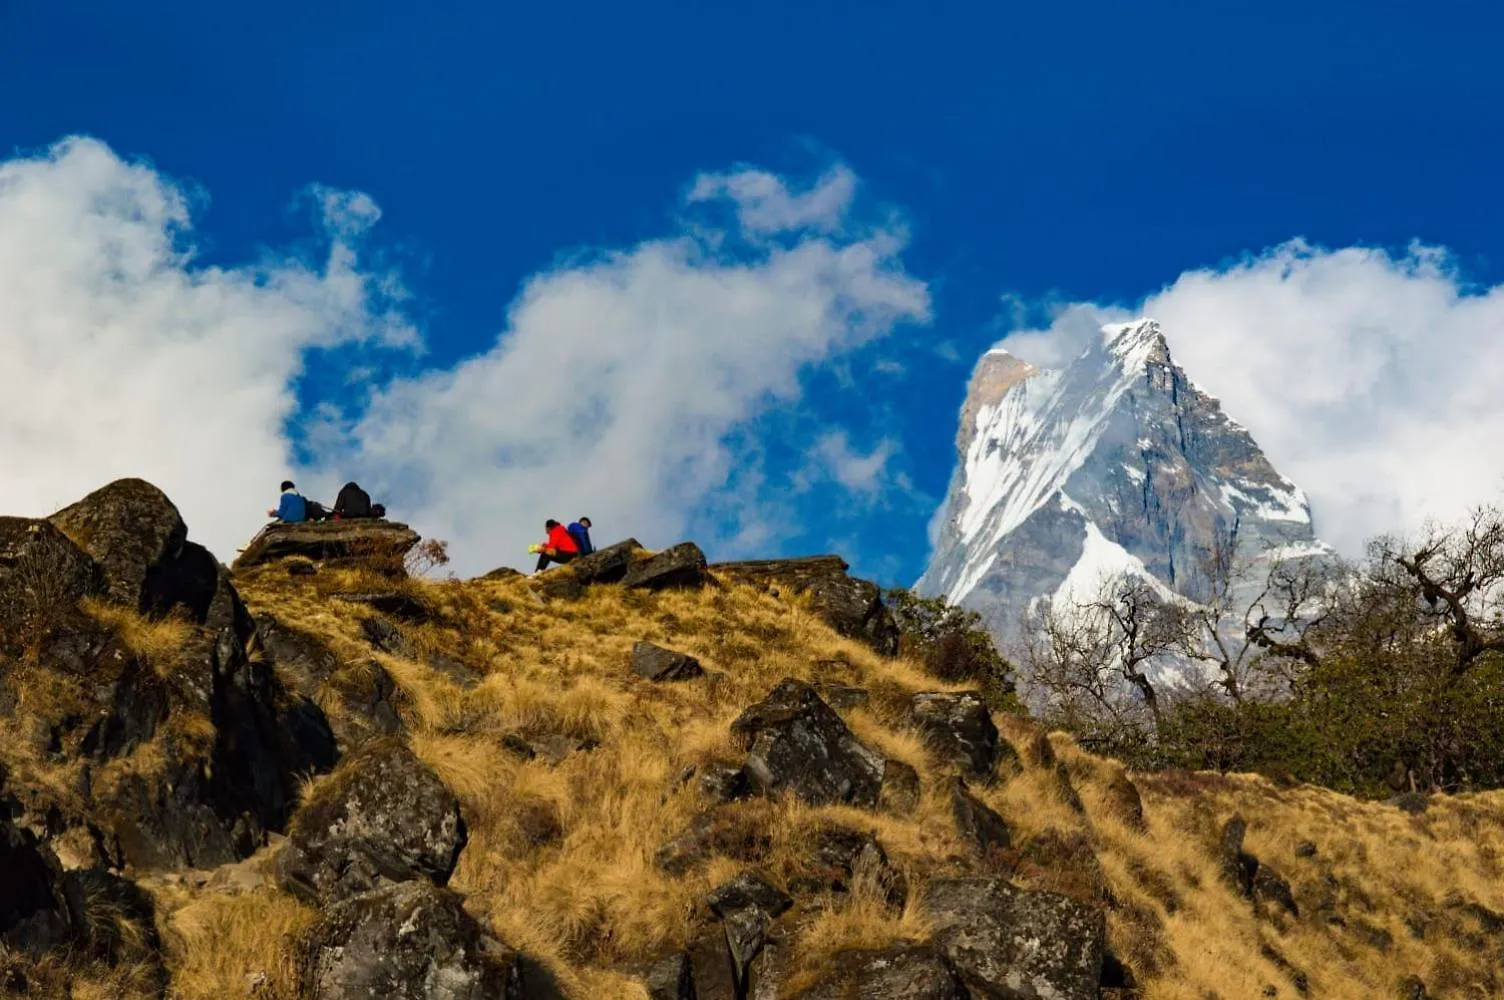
(1458, 580)
(1091, 660)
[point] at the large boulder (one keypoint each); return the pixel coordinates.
(364, 538)
(681, 567)
(139, 539)
(796, 742)
(851, 606)
(959, 728)
(901, 972)
(228, 744)
(408, 941)
(1016, 943)
(382, 817)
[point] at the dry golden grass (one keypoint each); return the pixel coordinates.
(586, 899)
(158, 641)
(227, 945)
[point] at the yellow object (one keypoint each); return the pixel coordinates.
(535, 548)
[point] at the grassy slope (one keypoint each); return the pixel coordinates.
(591, 902)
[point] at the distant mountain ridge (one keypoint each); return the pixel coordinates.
(1116, 464)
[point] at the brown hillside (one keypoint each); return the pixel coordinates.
(578, 780)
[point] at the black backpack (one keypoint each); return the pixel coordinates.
(315, 511)
(353, 502)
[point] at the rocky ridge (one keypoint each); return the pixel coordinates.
(637, 776)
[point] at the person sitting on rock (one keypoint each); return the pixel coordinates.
(560, 546)
(352, 502)
(580, 532)
(292, 508)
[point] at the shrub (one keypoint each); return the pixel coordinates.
(953, 644)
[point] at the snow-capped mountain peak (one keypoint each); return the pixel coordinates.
(1114, 464)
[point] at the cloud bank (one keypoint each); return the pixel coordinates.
(631, 385)
(1370, 378)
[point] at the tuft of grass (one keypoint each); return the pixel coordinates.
(157, 640)
(227, 945)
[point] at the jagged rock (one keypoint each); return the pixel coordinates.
(514, 744)
(852, 607)
(747, 905)
(383, 816)
(322, 541)
(722, 783)
(655, 663)
(403, 607)
(37, 912)
(900, 790)
(200, 799)
(843, 696)
(746, 934)
(365, 693)
(408, 941)
(728, 831)
(671, 978)
(835, 859)
(797, 742)
(502, 573)
(1017, 943)
(976, 822)
(42, 572)
(901, 972)
(748, 889)
(1305, 849)
(1413, 988)
(1124, 802)
(607, 565)
(959, 728)
(1271, 891)
(1065, 790)
(138, 538)
(679, 567)
(1235, 867)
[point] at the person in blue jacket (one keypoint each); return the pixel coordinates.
(580, 532)
(292, 508)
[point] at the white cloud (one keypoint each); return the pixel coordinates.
(766, 205)
(628, 387)
(119, 355)
(832, 458)
(1371, 379)
(619, 386)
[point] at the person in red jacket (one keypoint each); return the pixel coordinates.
(560, 546)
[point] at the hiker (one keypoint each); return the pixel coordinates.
(580, 532)
(352, 502)
(560, 546)
(291, 508)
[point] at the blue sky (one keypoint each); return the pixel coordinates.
(1045, 152)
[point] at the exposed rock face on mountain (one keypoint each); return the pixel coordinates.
(1117, 464)
(324, 540)
(851, 606)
